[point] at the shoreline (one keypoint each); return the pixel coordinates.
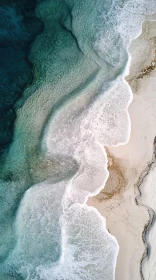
(131, 224)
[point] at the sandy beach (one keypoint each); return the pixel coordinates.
(126, 198)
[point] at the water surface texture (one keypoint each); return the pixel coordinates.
(75, 105)
(18, 27)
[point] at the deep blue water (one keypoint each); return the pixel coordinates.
(18, 28)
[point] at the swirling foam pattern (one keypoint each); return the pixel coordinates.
(76, 105)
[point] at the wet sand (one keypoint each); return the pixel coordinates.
(124, 201)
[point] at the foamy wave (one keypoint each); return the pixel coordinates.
(53, 242)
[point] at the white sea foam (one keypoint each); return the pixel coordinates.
(88, 251)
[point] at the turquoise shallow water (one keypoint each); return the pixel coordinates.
(76, 104)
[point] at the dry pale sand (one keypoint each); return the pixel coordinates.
(128, 199)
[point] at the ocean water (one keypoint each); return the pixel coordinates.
(76, 104)
(18, 27)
